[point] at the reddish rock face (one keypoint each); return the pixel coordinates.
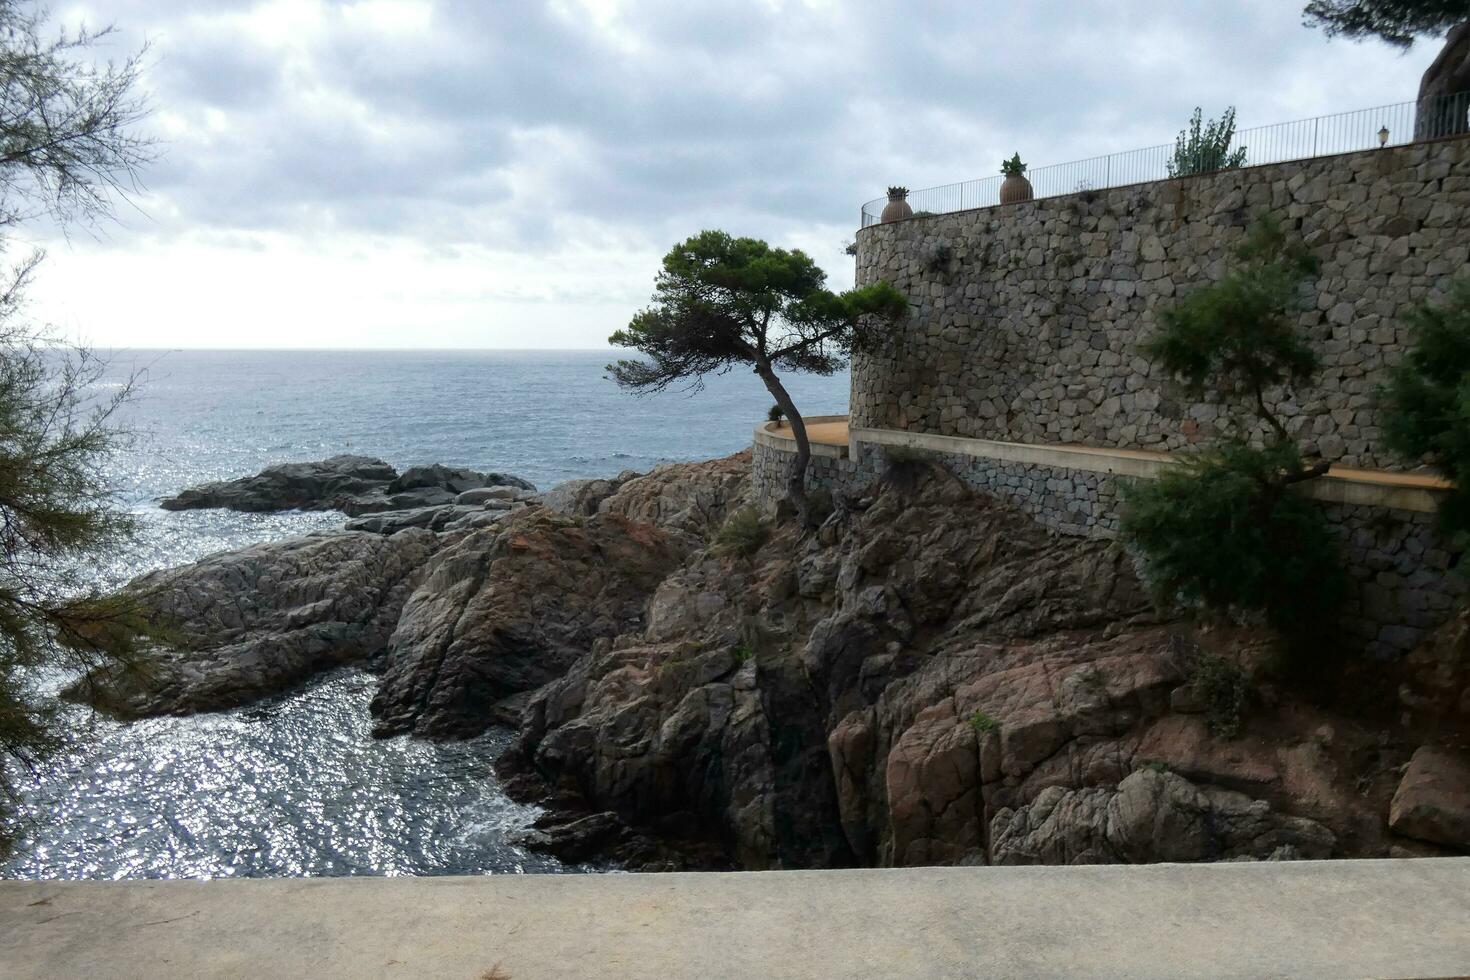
(931, 678)
(505, 610)
(1433, 801)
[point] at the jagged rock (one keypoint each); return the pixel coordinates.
(381, 502)
(453, 479)
(484, 495)
(1150, 816)
(880, 691)
(507, 609)
(307, 486)
(440, 518)
(355, 484)
(1436, 687)
(581, 498)
(1433, 801)
(690, 500)
(249, 623)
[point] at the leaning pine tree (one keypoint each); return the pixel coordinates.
(1224, 531)
(720, 302)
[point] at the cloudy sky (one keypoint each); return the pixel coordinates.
(469, 173)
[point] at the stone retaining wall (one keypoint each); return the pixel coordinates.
(1027, 318)
(1403, 581)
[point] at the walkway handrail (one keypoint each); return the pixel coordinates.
(1303, 139)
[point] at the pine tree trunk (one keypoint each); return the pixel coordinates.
(1444, 91)
(796, 475)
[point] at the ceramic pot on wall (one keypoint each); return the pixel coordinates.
(897, 207)
(1015, 188)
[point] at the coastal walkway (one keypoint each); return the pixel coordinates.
(1338, 919)
(830, 435)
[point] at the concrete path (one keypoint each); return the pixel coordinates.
(1337, 919)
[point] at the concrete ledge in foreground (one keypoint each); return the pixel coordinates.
(1333, 919)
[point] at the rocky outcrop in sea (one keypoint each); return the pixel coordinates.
(929, 677)
(352, 484)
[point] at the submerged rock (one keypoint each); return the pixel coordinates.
(354, 484)
(250, 623)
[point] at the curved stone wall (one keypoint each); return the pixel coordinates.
(1027, 318)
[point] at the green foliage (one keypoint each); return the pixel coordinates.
(721, 301)
(1395, 21)
(1223, 530)
(1426, 403)
(1237, 337)
(744, 653)
(1013, 167)
(66, 144)
(775, 413)
(1204, 147)
(983, 723)
(742, 534)
(1224, 689)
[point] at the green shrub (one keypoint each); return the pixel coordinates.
(776, 413)
(1237, 337)
(1224, 689)
(1223, 531)
(742, 534)
(1013, 167)
(1226, 530)
(983, 723)
(1426, 403)
(1205, 147)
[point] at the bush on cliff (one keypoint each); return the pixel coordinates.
(1226, 531)
(1426, 403)
(721, 301)
(741, 535)
(1223, 531)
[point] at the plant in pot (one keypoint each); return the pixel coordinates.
(1015, 187)
(897, 207)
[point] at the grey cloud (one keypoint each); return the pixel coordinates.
(737, 112)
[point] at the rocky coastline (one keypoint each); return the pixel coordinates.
(929, 677)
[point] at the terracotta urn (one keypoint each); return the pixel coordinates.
(897, 207)
(1015, 188)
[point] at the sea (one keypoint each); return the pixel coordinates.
(295, 785)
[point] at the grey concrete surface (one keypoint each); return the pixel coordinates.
(1335, 919)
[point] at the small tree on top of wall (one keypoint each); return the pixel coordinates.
(1203, 147)
(721, 301)
(1224, 531)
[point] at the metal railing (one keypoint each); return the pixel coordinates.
(1343, 132)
